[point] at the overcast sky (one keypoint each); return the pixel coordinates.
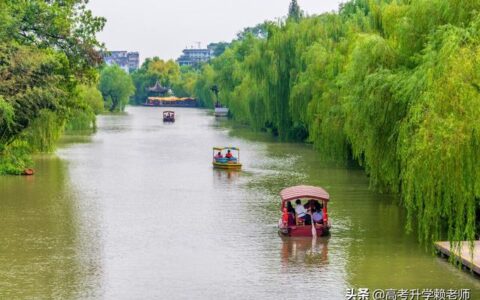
(164, 27)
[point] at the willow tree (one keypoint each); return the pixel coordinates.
(393, 85)
(439, 143)
(116, 87)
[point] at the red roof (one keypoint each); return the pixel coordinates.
(304, 191)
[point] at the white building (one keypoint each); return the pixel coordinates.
(128, 61)
(192, 57)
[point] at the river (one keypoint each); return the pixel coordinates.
(135, 211)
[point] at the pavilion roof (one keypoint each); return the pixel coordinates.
(158, 88)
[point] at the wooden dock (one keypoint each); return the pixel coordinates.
(465, 255)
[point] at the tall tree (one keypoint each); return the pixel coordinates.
(294, 11)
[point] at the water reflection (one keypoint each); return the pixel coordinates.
(225, 176)
(306, 251)
(43, 241)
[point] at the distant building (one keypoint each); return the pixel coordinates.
(191, 57)
(133, 61)
(128, 61)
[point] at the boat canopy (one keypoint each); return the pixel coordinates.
(226, 148)
(304, 191)
(168, 112)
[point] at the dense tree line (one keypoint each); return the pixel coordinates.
(393, 85)
(168, 73)
(48, 59)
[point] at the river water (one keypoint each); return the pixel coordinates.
(135, 211)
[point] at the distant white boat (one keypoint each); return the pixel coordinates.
(221, 112)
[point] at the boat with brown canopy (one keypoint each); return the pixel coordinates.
(314, 201)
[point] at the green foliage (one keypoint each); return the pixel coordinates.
(294, 11)
(89, 102)
(91, 97)
(393, 85)
(167, 73)
(15, 158)
(116, 87)
(218, 48)
(7, 114)
(258, 31)
(44, 132)
(439, 142)
(47, 48)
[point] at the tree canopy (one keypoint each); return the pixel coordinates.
(116, 87)
(47, 48)
(393, 85)
(294, 11)
(167, 73)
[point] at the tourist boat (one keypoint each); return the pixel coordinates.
(296, 227)
(222, 162)
(168, 116)
(170, 102)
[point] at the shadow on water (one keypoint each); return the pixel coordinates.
(306, 251)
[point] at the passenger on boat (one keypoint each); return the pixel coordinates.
(302, 212)
(291, 214)
(229, 154)
(219, 155)
(317, 214)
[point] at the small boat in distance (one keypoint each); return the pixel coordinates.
(224, 158)
(311, 202)
(169, 116)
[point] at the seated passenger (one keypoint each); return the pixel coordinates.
(299, 209)
(317, 214)
(302, 212)
(229, 154)
(291, 214)
(218, 156)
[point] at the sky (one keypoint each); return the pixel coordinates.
(164, 28)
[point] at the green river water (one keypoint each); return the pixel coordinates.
(135, 211)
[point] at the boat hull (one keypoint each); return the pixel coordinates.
(303, 231)
(227, 166)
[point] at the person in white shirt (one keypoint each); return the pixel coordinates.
(301, 211)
